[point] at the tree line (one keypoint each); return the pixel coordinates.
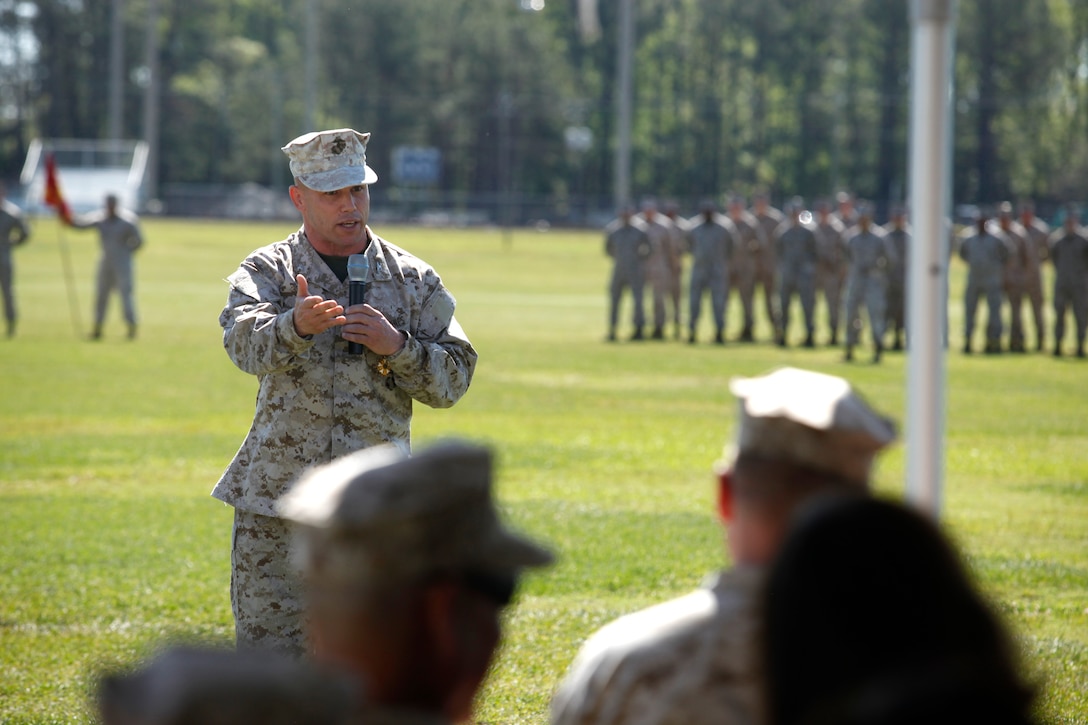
(788, 96)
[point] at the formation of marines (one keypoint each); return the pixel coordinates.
(837, 252)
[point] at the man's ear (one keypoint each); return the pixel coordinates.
(725, 495)
(296, 196)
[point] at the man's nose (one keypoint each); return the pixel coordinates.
(347, 201)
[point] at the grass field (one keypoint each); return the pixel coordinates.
(111, 547)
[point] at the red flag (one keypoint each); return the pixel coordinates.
(53, 197)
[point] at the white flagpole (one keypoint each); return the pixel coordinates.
(932, 54)
(625, 48)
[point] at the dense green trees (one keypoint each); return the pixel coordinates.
(792, 96)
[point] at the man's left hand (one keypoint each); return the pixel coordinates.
(370, 328)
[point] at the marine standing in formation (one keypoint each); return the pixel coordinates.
(661, 268)
(831, 265)
(1004, 259)
(680, 245)
(796, 251)
(1016, 273)
(766, 262)
(1037, 233)
(628, 245)
(985, 249)
(1069, 252)
(744, 265)
(898, 233)
(713, 238)
(871, 259)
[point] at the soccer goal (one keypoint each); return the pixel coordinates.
(87, 170)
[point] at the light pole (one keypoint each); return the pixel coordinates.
(933, 34)
(117, 71)
(624, 89)
(151, 103)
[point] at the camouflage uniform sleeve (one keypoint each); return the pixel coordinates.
(258, 320)
(437, 362)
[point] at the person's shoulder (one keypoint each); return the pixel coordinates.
(648, 633)
(635, 224)
(723, 220)
(129, 216)
(695, 638)
(403, 264)
(293, 241)
(278, 254)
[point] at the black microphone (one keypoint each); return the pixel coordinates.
(358, 271)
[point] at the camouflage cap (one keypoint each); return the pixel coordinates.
(395, 514)
(330, 160)
(196, 686)
(810, 419)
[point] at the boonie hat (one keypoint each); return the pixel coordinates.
(809, 419)
(406, 515)
(330, 160)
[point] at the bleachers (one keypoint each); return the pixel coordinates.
(87, 170)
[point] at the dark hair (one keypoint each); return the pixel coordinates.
(869, 617)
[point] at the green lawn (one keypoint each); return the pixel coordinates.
(110, 545)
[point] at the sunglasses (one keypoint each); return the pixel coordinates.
(499, 588)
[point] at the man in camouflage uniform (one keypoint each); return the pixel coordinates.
(795, 248)
(1037, 233)
(770, 220)
(662, 267)
(871, 259)
(713, 237)
(692, 660)
(626, 242)
(408, 570)
(681, 244)
(287, 321)
(1069, 252)
(985, 249)
(120, 237)
(743, 266)
(1016, 273)
(831, 264)
(13, 232)
(897, 232)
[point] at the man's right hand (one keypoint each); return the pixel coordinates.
(313, 313)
